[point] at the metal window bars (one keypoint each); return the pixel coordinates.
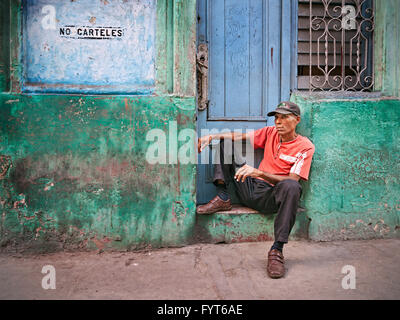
(341, 45)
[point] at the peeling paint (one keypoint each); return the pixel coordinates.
(356, 142)
(48, 186)
(11, 101)
(76, 64)
(93, 181)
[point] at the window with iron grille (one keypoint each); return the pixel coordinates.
(335, 45)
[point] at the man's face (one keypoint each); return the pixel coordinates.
(286, 123)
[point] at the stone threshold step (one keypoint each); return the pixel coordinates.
(240, 209)
(243, 224)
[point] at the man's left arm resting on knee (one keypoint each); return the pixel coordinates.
(248, 171)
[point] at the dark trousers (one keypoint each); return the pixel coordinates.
(257, 194)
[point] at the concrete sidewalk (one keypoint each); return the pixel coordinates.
(225, 271)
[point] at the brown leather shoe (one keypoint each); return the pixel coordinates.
(215, 205)
(276, 264)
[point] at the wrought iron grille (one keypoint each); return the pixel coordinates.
(336, 45)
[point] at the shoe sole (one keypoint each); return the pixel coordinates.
(275, 276)
(227, 209)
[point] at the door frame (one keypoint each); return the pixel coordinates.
(291, 7)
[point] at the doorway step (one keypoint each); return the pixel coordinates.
(242, 224)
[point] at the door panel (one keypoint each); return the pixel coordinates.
(247, 40)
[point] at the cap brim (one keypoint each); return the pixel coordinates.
(281, 111)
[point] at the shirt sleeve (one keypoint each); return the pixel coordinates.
(302, 165)
(259, 137)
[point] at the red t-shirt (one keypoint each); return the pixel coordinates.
(283, 158)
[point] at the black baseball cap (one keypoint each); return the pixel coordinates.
(286, 107)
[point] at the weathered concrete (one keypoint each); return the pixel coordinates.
(234, 271)
(243, 224)
(80, 176)
(354, 186)
(80, 180)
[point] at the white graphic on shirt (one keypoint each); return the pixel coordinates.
(299, 163)
(287, 158)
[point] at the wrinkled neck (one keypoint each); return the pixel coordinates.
(289, 137)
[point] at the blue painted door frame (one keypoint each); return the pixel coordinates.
(252, 66)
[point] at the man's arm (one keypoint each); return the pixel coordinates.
(234, 136)
(248, 171)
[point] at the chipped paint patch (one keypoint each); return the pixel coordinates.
(92, 181)
(11, 101)
(354, 183)
(49, 186)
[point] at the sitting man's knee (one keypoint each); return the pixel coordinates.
(290, 185)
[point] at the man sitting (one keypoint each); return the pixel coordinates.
(274, 186)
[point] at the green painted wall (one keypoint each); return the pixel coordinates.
(79, 177)
(4, 43)
(79, 171)
(354, 186)
(248, 227)
(387, 47)
(80, 180)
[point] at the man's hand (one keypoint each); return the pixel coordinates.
(246, 171)
(204, 142)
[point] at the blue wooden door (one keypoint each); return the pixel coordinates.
(251, 66)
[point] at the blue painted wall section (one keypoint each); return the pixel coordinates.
(89, 46)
